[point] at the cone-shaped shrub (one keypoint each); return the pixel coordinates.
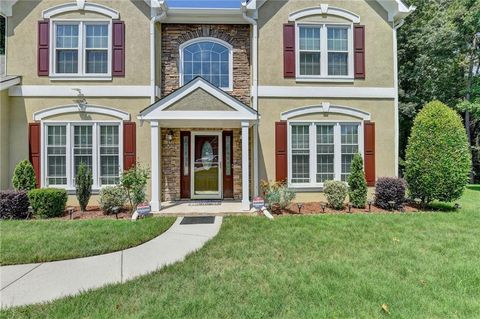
(83, 182)
(438, 157)
(357, 185)
(23, 176)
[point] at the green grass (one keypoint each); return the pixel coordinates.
(422, 265)
(34, 241)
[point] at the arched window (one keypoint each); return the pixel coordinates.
(209, 58)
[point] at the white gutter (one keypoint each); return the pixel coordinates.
(254, 89)
(153, 62)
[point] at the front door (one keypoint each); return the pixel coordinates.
(206, 179)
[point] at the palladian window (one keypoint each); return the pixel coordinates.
(209, 58)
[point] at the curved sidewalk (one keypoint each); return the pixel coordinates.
(42, 282)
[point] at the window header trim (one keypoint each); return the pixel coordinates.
(74, 108)
(325, 107)
(80, 6)
(322, 10)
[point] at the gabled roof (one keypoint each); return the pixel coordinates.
(163, 110)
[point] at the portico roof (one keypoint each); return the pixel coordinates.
(196, 102)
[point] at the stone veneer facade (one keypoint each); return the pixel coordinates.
(171, 164)
(173, 35)
(237, 35)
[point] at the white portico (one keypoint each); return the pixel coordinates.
(209, 124)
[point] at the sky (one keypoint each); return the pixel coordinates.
(204, 3)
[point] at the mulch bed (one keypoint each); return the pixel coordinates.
(94, 212)
(313, 208)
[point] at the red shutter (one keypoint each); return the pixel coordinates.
(118, 48)
(34, 149)
(289, 50)
(129, 145)
(369, 152)
(359, 51)
(43, 51)
(281, 161)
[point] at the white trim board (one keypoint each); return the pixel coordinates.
(324, 108)
(87, 90)
(66, 109)
(331, 92)
(323, 9)
(80, 5)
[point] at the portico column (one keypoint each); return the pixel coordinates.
(245, 168)
(155, 165)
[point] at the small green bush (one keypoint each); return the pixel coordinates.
(357, 185)
(277, 194)
(335, 191)
(112, 196)
(48, 202)
(134, 181)
(83, 182)
(24, 176)
(438, 158)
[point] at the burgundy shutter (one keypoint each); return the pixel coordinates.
(34, 149)
(118, 48)
(369, 152)
(289, 50)
(281, 162)
(129, 145)
(359, 51)
(43, 51)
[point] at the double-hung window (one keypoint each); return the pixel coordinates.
(321, 151)
(96, 144)
(324, 52)
(81, 49)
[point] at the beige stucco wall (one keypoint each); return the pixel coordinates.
(21, 113)
(382, 113)
(4, 139)
(22, 41)
(378, 41)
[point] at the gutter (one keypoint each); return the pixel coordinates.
(153, 62)
(254, 87)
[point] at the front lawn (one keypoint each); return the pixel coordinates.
(420, 265)
(32, 241)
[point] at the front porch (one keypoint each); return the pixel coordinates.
(201, 149)
(203, 207)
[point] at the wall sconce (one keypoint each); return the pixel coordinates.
(169, 136)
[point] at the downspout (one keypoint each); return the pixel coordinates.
(254, 88)
(395, 85)
(154, 19)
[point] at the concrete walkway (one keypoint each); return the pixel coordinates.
(42, 282)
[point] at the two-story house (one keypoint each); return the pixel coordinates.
(212, 100)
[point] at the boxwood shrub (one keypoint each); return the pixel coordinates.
(390, 189)
(13, 204)
(335, 191)
(48, 202)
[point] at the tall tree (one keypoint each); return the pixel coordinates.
(438, 59)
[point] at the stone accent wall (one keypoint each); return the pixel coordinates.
(170, 155)
(238, 35)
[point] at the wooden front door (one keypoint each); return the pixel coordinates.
(227, 164)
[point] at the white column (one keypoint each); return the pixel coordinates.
(155, 165)
(245, 168)
(255, 159)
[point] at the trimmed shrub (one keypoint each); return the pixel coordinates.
(390, 189)
(84, 182)
(438, 158)
(357, 184)
(335, 191)
(112, 196)
(48, 202)
(134, 181)
(277, 194)
(24, 176)
(13, 204)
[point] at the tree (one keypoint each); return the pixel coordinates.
(134, 181)
(24, 176)
(438, 157)
(357, 185)
(438, 53)
(83, 182)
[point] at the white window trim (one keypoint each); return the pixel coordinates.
(82, 74)
(313, 150)
(324, 77)
(210, 39)
(70, 187)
